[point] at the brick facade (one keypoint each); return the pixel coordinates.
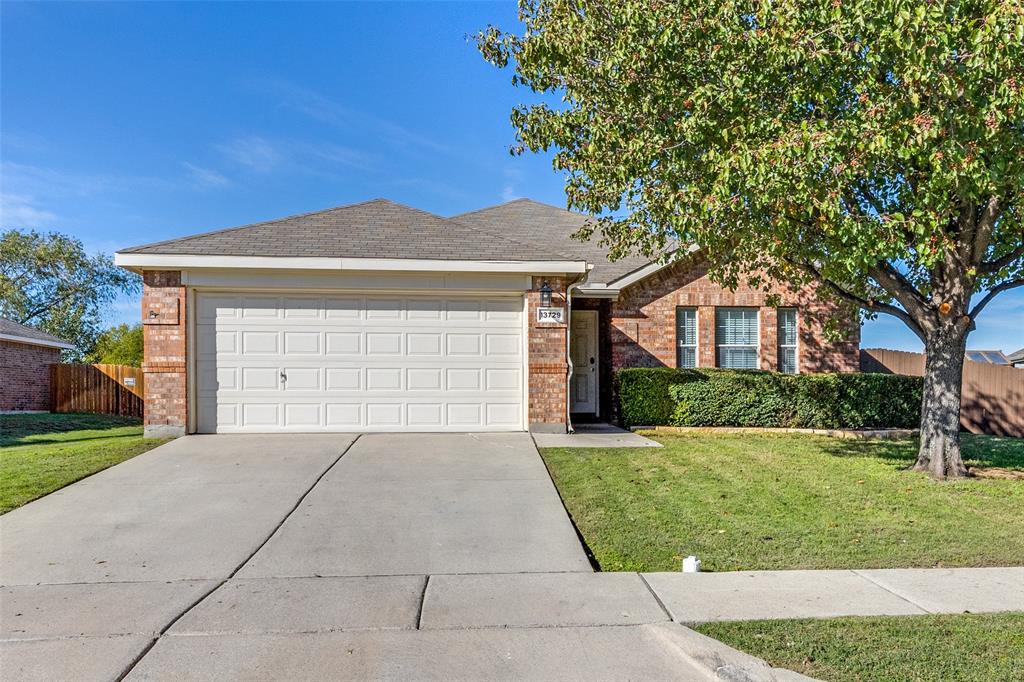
(25, 369)
(636, 330)
(164, 368)
(548, 366)
(643, 322)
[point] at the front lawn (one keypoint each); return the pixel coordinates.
(982, 647)
(40, 453)
(790, 501)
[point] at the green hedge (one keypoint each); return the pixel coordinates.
(716, 397)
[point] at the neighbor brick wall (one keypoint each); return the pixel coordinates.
(547, 363)
(643, 322)
(163, 319)
(25, 372)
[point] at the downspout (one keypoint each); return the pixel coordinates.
(568, 340)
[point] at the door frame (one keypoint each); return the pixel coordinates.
(597, 359)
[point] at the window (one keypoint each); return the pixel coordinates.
(686, 337)
(787, 341)
(736, 337)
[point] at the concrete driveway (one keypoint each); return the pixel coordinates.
(328, 556)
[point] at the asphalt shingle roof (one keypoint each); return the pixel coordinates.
(525, 219)
(12, 328)
(518, 230)
(373, 229)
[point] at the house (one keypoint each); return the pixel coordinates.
(1016, 358)
(26, 354)
(381, 317)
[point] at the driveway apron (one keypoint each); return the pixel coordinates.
(420, 504)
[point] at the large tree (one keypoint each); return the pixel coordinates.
(47, 280)
(872, 148)
(119, 345)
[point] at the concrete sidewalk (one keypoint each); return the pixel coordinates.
(764, 595)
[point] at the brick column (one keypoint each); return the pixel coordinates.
(769, 338)
(706, 336)
(548, 364)
(164, 364)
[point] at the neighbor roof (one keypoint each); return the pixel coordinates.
(372, 229)
(528, 220)
(12, 331)
(1016, 356)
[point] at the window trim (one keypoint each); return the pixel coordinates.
(796, 341)
(757, 335)
(696, 335)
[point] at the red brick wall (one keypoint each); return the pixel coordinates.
(163, 319)
(643, 322)
(547, 362)
(25, 372)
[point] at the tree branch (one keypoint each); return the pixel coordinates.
(859, 301)
(893, 281)
(993, 292)
(994, 266)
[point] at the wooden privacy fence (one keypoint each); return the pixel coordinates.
(993, 395)
(104, 389)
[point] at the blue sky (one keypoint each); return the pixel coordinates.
(128, 123)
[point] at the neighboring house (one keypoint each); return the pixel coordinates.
(381, 317)
(1016, 358)
(25, 358)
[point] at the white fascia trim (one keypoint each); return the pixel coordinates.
(28, 340)
(169, 261)
(597, 291)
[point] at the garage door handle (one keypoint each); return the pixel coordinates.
(284, 377)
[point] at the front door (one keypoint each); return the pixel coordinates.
(583, 353)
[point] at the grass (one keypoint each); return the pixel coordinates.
(981, 647)
(761, 502)
(40, 453)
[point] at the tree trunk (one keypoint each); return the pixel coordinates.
(939, 453)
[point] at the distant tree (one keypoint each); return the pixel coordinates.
(872, 148)
(120, 345)
(48, 281)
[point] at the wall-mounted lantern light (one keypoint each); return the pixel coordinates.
(545, 295)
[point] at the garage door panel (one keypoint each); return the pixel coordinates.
(359, 362)
(302, 343)
(259, 342)
(261, 307)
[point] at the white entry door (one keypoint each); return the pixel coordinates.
(299, 363)
(583, 352)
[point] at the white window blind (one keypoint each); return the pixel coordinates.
(686, 337)
(787, 340)
(736, 337)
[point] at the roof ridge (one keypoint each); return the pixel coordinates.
(517, 201)
(271, 222)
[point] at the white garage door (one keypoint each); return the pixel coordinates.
(358, 363)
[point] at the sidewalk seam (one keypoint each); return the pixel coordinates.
(889, 590)
(656, 597)
(131, 666)
(423, 603)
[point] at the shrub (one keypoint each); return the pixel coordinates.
(716, 397)
(644, 398)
